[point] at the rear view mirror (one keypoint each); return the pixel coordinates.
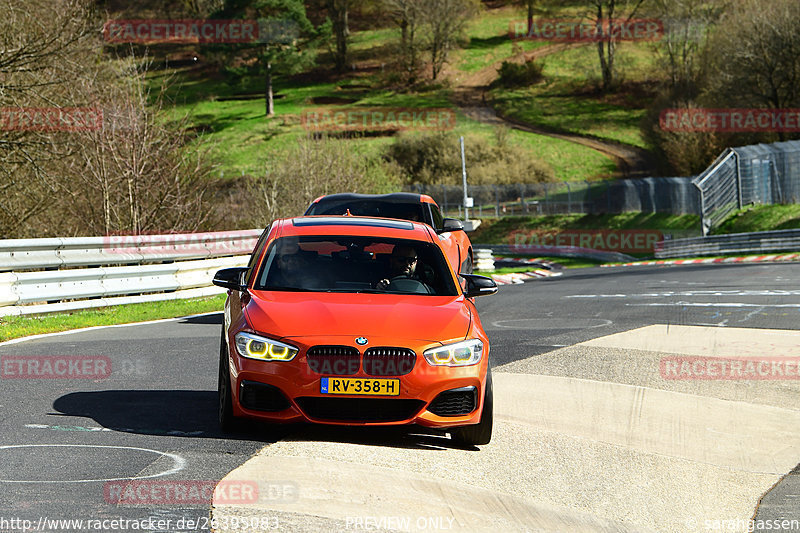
(478, 285)
(230, 278)
(451, 224)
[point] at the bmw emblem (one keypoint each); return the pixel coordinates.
(361, 341)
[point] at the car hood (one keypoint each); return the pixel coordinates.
(423, 318)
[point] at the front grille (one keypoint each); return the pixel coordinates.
(455, 402)
(261, 397)
(333, 360)
(386, 361)
(360, 409)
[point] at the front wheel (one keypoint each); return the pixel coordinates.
(227, 422)
(480, 433)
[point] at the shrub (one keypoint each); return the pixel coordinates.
(436, 159)
(315, 167)
(520, 75)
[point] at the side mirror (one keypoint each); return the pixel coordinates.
(478, 285)
(230, 278)
(451, 224)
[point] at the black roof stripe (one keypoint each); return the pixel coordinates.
(353, 221)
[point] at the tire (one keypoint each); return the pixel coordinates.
(227, 422)
(480, 433)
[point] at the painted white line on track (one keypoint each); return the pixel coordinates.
(179, 463)
(71, 331)
(669, 294)
(547, 323)
(713, 304)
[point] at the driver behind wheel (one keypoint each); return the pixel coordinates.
(402, 264)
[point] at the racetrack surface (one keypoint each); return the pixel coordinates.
(589, 436)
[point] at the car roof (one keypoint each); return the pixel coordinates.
(392, 198)
(354, 226)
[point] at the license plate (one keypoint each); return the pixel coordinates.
(360, 386)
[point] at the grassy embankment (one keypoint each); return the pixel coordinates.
(231, 112)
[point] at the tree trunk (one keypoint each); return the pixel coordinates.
(339, 11)
(268, 91)
(530, 16)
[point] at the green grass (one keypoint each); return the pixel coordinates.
(566, 262)
(230, 112)
(500, 230)
(568, 101)
(15, 327)
(489, 41)
(762, 218)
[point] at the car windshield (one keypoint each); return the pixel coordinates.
(369, 208)
(355, 264)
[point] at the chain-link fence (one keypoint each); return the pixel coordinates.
(667, 195)
(757, 174)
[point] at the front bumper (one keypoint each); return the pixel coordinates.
(430, 396)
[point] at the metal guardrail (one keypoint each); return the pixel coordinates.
(165, 267)
(758, 242)
(31, 254)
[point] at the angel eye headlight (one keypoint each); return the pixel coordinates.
(257, 347)
(462, 353)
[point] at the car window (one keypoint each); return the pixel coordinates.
(257, 252)
(370, 208)
(355, 264)
(438, 219)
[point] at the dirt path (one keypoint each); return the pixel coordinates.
(469, 95)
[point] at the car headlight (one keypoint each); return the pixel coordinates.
(257, 347)
(462, 353)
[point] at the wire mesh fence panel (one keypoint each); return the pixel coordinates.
(770, 173)
(719, 191)
(669, 195)
(756, 174)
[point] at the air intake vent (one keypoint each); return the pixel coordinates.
(388, 361)
(333, 360)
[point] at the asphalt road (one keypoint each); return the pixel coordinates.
(66, 443)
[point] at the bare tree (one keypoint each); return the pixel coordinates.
(605, 14)
(444, 21)
(313, 168)
(687, 25)
(753, 59)
(43, 51)
(137, 174)
(406, 15)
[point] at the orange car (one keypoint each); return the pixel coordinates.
(407, 206)
(354, 321)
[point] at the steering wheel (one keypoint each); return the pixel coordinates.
(406, 284)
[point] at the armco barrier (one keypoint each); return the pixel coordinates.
(18, 288)
(157, 267)
(31, 254)
(735, 243)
